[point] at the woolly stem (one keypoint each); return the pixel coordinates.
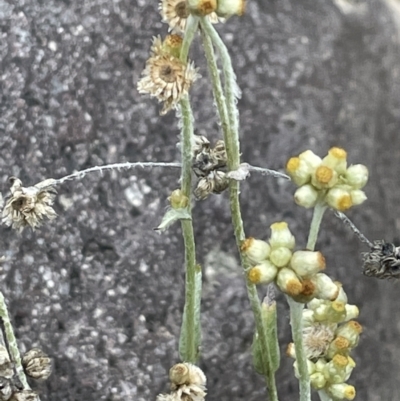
(12, 342)
(296, 322)
(353, 228)
(227, 112)
(190, 332)
(319, 211)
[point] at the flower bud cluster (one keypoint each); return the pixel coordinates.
(188, 383)
(328, 179)
(209, 163)
(329, 335)
(296, 273)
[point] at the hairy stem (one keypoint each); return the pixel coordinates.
(12, 342)
(190, 332)
(229, 123)
(296, 314)
(319, 211)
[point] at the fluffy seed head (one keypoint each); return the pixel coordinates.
(316, 339)
(37, 364)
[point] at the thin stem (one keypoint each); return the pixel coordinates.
(230, 131)
(231, 92)
(190, 332)
(116, 166)
(12, 342)
(353, 228)
(296, 314)
(319, 211)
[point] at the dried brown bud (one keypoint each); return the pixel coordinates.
(37, 364)
(221, 182)
(5, 389)
(24, 395)
(204, 187)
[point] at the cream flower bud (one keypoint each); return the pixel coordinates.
(317, 380)
(339, 345)
(306, 196)
(320, 365)
(281, 256)
(281, 236)
(311, 159)
(336, 159)
(264, 273)
(178, 200)
(352, 312)
(226, 8)
(288, 282)
(351, 331)
(307, 263)
(357, 176)
(299, 171)
(335, 370)
(256, 250)
(186, 373)
(349, 368)
(358, 197)
(310, 368)
(339, 199)
(327, 289)
(315, 303)
(324, 177)
(342, 296)
(341, 391)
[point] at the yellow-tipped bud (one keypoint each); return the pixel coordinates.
(281, 236)
(299, 171)
(336, 159)
(357, 176)
(342, 391)
(336, 312)
(351, 331)
(324, 177)
(317, 380)
(339, 345)
(307, 263)
(320, 365)
(264, 273)
(339, 199)
(226, 8)
(288, 282)
(281, 256)
(335, 370)
(358, 197)
(306, 196)
(256, 250)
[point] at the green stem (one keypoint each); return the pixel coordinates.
(190, 332)
(323, 396)
(296, 322)
(12, 342)
(319, 211)
(227, 111)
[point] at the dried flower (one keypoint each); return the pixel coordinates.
(317, 338)
(37, 364)
(24, 395)
(382, 261)
(29, 206)
(176, 12)
(5, 389)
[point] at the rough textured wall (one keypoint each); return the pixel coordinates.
(98, 288)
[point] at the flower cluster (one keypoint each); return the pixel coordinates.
(329, 335)
(165, 77)
(28, 206)
(327, 180)
(188, 383)
(208, 164)
(297, 274)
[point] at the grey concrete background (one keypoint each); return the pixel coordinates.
(98, 289)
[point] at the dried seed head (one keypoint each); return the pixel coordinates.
(218, 154)
(29, 206)
(203, 163)
(37, 364)
(167, 79)
(221, 182)
(6, 366)
(24, 395)
(382, 261)
(200, 144)
(317, 338)
(204, 188)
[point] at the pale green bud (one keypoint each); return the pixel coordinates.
(310, 368)
(226, 8)
(335, 370)
(281, 256)
(324, 177)
(326, 287)
(357, 176)
(306, 196)
(263, 273)
(352, 312)
(342, 391)
(299, 171)
(336, 159)
(339, 199)
(288, 282)
(312, 160)
(307, 263)
(317, 380)
(358, 197)
(256, 250)
(351, 331)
